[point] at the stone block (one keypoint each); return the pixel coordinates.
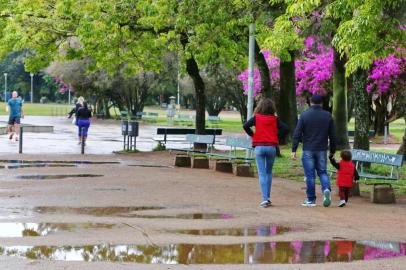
(382, 193)
(224, 166)
(200, 163)
(243, 170)
(183, 161)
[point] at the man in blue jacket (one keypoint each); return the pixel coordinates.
(315, 128)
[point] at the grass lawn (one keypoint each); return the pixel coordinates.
(41, 109)
(285, 168)
(230, 123)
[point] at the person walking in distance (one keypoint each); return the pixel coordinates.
(15, 109)
(316, 128)
(75, 110)
(84, 114)
(265, 139)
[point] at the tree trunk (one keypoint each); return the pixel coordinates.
(402, 148)
(193, 71)
(361, 110)
(287, 98)
(381, 104)
(266, 89)
(340, 113)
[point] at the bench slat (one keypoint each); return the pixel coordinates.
(377, 157)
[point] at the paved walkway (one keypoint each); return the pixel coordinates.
(104, 138)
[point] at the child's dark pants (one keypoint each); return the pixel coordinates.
(343, 193)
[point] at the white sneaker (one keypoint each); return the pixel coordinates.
(342, 203)
(308, 203)
(265, 204)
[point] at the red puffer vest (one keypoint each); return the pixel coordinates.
(266, 130)
(345, 174)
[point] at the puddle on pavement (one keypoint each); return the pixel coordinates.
(93, 211)
(42, 229)
(182, 216)
(53, 176)
(73, 162)
(37, 165)
(151, 166)
(251, 253)
(127, 212)
(262, 230)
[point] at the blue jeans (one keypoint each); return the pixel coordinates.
(315, 161)
(265, 156)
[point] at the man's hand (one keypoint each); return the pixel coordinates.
(293, 155)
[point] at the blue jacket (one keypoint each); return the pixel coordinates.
(314, 129)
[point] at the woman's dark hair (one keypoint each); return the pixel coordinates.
(346, 155)
(84, 104)
(265, 107)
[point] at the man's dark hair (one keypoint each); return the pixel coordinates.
(265, 107)
(346, 155)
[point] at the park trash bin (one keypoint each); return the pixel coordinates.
(124, 127)
(132, 128)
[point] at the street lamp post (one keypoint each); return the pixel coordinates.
(32, 87)
(251, 61)
(5, 87)
(69, 95)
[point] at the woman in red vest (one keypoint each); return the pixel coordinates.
(265, 140)
(346, 174)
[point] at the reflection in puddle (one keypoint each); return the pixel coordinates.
(93, 211)
(53, 176)
(77, 162)
(254, 253)
(151, 166)
(263, 230)
(127, 212)
(42, 229)
(183, 216)
(38, 165)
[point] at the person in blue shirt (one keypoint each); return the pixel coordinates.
(15, 110)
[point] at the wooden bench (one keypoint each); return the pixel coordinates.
(180, 132)
(152, 117)
(213, 120)
(234, 143)
(362, 156)
(101, 115)
(140, 115)
(183, 119)
(124, 114)
(351, 133)
(392, 160)
(193, 139)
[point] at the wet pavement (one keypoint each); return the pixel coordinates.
(8, 230)
(104, 138)
(93, 211)
(49, 176)
(253, 253)
(262, 230)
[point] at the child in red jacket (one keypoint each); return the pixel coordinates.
(346, 174)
